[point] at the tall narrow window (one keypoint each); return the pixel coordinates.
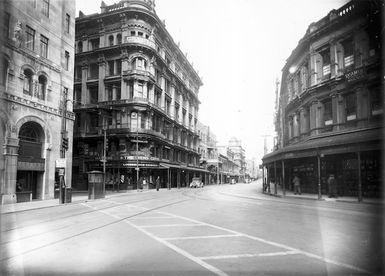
(351, 107)
(42, 87)
(119, 39)
(67, 60)
(110, 65)
(67, 23)
(111, 40)
(140, 89)
(80, 46)
(27, 88)
(43, 46)
(348, 53)
(376, 103)
(118, 66)
(30, 39)
(45, 8)
(325, 62)
(328, 113)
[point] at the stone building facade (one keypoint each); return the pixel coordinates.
(36, 80)
(136, 100)
(330, 112)
(235, 146)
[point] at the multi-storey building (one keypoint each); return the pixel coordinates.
(207, 150)
(235, 146)
(136, 100)
(36, 82)
(330, 113)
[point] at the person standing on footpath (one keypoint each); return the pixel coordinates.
(157, 183)
(297, 184)
(332, 186)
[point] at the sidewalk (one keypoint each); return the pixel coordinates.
(77, 197)
(290, 194)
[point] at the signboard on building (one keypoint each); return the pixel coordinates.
(60, 163)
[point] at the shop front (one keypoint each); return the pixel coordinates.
(356, 166)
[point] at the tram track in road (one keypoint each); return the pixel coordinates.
(91, 229)
(74, 215)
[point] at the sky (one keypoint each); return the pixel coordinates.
(239, 48)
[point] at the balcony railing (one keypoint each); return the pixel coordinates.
(140, 40)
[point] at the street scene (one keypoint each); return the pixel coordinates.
(216, 230)
(169, 137)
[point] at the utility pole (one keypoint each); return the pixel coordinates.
(104, 159)
(137, 152)
(63, 148)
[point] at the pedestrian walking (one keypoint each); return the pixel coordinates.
(332, 186)
(297, 185)
(157, 183)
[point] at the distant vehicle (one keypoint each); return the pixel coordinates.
(233, 181)
(196, 183)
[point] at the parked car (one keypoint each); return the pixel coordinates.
(196, 183)
(233, 181)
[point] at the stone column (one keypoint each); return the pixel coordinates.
(313, 67)
(124, 92)
(85, 98)
(181, 109)
(114, 92)
(102, 75)
(314, 117)
(304, 121)
(163, 97)
(10, 163)
(296, 125)
(172, 107)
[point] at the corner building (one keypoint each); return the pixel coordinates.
(36, 82)
(330, 115)
(136, 100)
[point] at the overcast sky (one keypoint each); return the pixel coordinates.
(239, 48)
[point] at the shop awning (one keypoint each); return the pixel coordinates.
(165, 165)
(197, 169)
(337, 143)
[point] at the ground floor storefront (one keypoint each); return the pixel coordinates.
(357, 169)
(123, 175)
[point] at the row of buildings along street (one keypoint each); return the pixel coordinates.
(108, 92)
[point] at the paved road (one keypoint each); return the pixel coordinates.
(217, 230)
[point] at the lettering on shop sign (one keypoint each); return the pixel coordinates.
(132, 157)
(29, 166)
(140, 165)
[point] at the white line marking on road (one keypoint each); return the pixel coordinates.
(237, 256)
(308, 254)
(180, 251)
(170, 225)
(148, 217)
(202, 237)
(169, 245)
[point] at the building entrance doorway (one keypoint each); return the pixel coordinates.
(28, 182)
(30, 164)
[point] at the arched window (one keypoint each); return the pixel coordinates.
(80, 46)
(111, 40)
(27, 88)
(42, 87)
(119, 39)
